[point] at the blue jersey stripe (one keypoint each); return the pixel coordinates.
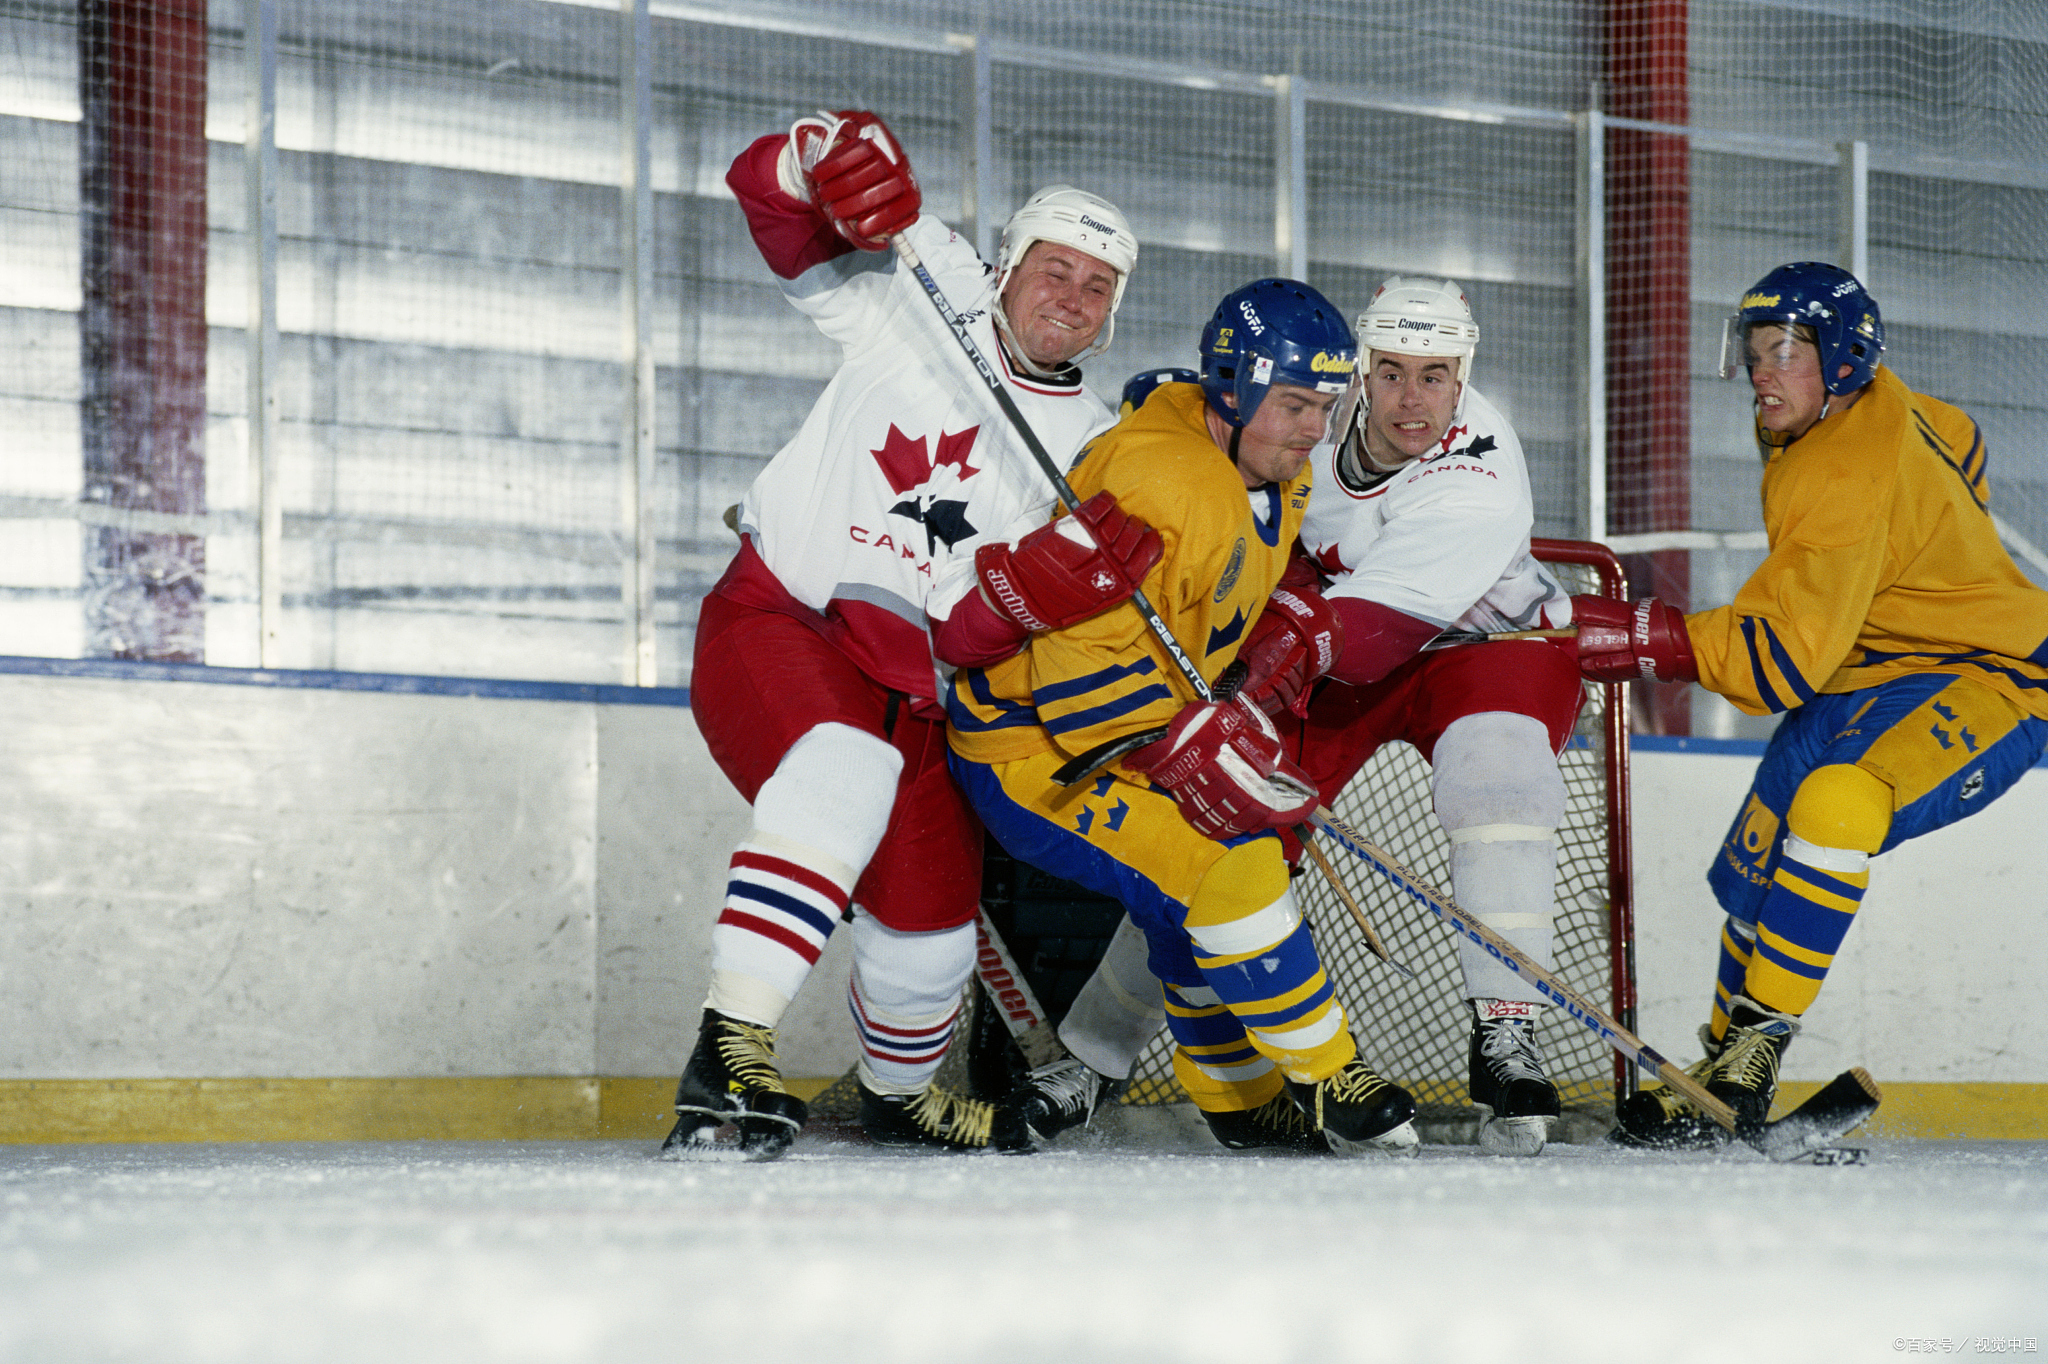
(1087, 682)
(1783, 659)
(1108, 710)
(1764, 691)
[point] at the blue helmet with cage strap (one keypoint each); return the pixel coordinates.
(1273, 331)
(1842, 315)
(1140, 385)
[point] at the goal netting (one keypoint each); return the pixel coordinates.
(1417, 1032)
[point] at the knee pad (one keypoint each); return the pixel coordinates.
(1496, 769)
(1838, 813)
(1244, 904)
(832, 794)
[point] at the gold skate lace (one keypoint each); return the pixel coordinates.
(1749, 1061)
(749, 1052)
(965, 1122)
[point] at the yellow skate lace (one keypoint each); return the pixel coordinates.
(1280, 1116)
(749, 1053)
(1748, 1061)
(953, 1118)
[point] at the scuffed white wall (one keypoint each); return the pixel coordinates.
(217, 880)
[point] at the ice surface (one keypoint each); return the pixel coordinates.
(1160, 1251)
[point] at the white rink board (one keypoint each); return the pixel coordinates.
(202, 880)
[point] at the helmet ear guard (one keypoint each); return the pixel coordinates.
(1273, 331)
(1846, 326)
(1070, 217)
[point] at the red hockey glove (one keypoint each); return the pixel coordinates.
(1295, 641)
(1646, 642)
(856, 174)
(1221, 763)
(1060, 574)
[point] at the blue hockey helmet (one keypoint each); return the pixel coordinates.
(1273, 331)
(1140, 385)
(1826, 299)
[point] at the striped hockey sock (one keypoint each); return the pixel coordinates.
(781, 904)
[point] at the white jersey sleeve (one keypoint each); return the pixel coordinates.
(905, 465)
(1444, 538)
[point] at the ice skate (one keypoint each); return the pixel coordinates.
(1741, 1070)
(1358, 1112)
(1275, 1125)
(1515, 1099)
(731, 1080)
(1064, 1095)
(940, 1119)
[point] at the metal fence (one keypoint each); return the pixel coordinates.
(472, 267)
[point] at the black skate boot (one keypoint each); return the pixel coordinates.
(1658, 1119)
(1745, 1075)
(731, 1079)
(1358, 1112)
(942, 1119)
(1063, 1095)
(1275, 1125)
(1741, 1071)
(1515, 1099)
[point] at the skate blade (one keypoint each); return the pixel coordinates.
(1513, 1136)
(1398, 1141)
(702, 1135)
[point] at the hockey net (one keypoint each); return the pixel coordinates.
(1417, 1032)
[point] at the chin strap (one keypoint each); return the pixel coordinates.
(1236, 434)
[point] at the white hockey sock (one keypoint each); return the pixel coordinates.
(904, 993)
(1119, 1010)
(817, 821)
(1499, 797)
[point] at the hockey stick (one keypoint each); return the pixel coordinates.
(1484, 637)
(1064, 490)
(1832, 1111)
(1372, 939)
(1004, 983)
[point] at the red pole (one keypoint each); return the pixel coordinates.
(1649, 334)
(142, 322)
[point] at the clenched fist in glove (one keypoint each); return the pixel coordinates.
(1295, 641)
(850, 166)
(1070, 569)
(1646, 642)
(1221, 763)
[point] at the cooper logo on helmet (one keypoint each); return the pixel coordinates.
(1104, 228)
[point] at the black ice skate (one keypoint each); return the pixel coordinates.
(731, 1079)
(1358, 1112)
(1515, 1099)
(1741, 1070)
(1275, 1125)
(1064, 1095)
(941, 1119)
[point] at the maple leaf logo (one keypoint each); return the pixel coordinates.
(932, 480)
(1326, 559)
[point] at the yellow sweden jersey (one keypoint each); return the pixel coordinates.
(1884, 562)
(1107, 677)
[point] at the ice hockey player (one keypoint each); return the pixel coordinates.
(872, 537)
(1180, 831)
(1420, 523)
(1887, 624)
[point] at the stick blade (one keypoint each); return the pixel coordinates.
(1838, 1107)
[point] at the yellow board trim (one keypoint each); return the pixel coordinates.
(573, 1108)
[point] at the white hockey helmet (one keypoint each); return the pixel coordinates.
(1076, 218)
(1415, 315)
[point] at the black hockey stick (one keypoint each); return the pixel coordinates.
(1842, 1104)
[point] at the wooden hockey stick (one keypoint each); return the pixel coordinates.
(1484, 637)
(1839, 1106)
(1061, 488)
(1372, 939)
(1004, 984)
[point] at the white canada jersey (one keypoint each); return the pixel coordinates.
(906, 465)
(1444, 538)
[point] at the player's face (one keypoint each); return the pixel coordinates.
(1290, 422)
(1413, 398)
(1057, 300)
(1784, 373)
